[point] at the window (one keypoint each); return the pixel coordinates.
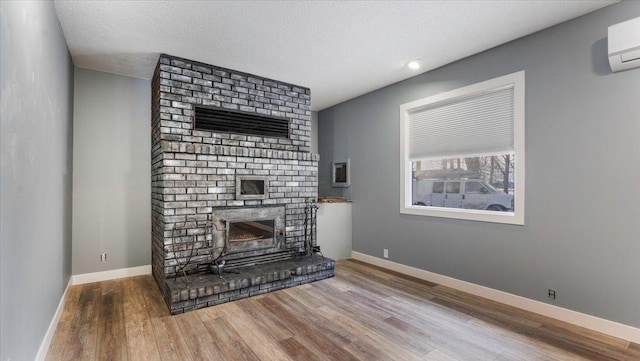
(453, 187)
(476, 188)
(462, 152)
(438, 187)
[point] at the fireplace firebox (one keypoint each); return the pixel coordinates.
(243, 232)
(248, 235)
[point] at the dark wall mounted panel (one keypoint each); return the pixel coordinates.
(224, 120)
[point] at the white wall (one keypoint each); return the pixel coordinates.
(334, 230)
(36, 106)
(112, 172)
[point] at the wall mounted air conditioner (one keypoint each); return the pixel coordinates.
(624, 45)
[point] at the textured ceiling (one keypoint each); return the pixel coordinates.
(339, 49)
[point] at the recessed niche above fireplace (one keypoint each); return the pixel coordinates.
(251, 187)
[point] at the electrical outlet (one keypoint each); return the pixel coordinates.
(385, 253)
(103, 257)
(552, 294)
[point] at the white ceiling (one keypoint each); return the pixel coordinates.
(339, 49)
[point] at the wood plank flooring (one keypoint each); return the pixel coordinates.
(364, 313)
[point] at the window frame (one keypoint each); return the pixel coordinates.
(517, 80)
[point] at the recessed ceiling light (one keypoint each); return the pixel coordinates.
(414, 64)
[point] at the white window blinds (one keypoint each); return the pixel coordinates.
(470, 125)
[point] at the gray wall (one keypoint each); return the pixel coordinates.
(35, 174)
(582, 229)
(112, 172)
(338, 140)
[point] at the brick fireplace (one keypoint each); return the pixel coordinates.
(233, 184)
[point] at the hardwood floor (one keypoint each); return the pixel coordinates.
(364, 313)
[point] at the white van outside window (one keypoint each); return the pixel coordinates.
(460, 193)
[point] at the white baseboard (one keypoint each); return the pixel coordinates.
(51, 330)
(612, 328)
(110, 275)
(78, 280)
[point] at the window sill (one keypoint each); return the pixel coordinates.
(465, 214)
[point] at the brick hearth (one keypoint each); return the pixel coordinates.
(206, 289)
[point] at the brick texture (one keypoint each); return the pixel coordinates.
(194, 171)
